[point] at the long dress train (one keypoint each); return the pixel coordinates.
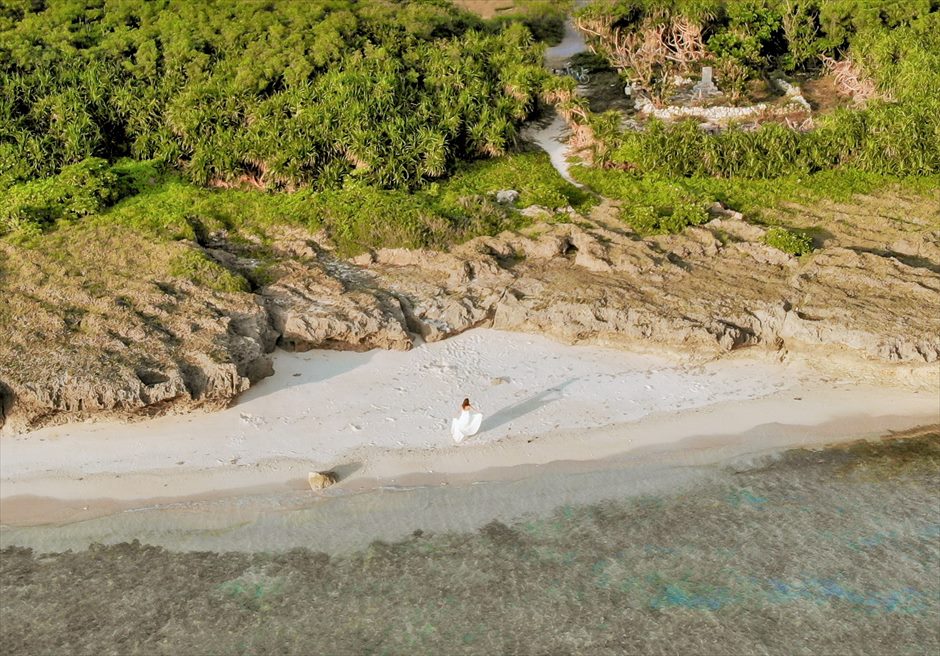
(468, 423)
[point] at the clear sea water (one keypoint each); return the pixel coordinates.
(832, 551)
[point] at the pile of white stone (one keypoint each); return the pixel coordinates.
(793, 94)
(723, 114)
(717, 114)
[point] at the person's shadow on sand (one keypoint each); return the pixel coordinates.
(524, 407)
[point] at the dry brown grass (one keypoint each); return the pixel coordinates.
(825, 94)
(891, 222)
(89, 312)
(487, 8)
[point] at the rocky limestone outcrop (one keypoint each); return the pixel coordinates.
(309, 308)
(182, 383)
(170, 345)
(160, 347)
(713, 288)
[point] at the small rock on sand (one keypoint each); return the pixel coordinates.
(320, 480)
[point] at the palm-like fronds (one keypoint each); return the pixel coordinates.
(234, 90)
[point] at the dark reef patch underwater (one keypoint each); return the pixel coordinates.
(818, 552)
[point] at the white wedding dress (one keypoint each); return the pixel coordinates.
(468, 423)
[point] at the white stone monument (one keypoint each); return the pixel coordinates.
(706, 88)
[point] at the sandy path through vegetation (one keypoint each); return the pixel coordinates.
(552, 137)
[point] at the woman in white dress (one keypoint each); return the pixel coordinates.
(468, 423)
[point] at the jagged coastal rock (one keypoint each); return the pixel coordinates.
(309, 308)
(707, 291)
(713, 288)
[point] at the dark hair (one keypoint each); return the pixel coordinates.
(465, 404)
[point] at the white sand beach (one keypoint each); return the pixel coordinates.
(385, 415)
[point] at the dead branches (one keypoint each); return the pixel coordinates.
(576, 115)
(685, 44)
(658, 46)
(851, 79)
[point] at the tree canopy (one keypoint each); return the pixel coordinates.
(271, 93)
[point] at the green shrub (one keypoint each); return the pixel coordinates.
(643, 219)
(789, 241)
(649, 220)
(78, 190)
(745, 43)
(841, 20)
(197, 267)
(687, 214)
(281, 93)
(800, 21)
(885, 138)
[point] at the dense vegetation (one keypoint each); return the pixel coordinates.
(896, 45)
(165, 206)
(650, 40)
(369, 111)
(279, 94)
(898, 134)
(889, 51)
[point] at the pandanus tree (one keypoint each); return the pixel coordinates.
(280, 94)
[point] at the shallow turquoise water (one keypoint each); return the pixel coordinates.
(813, 552)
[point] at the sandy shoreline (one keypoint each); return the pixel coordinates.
(62, 501)
(380, 418)
(361, 509)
